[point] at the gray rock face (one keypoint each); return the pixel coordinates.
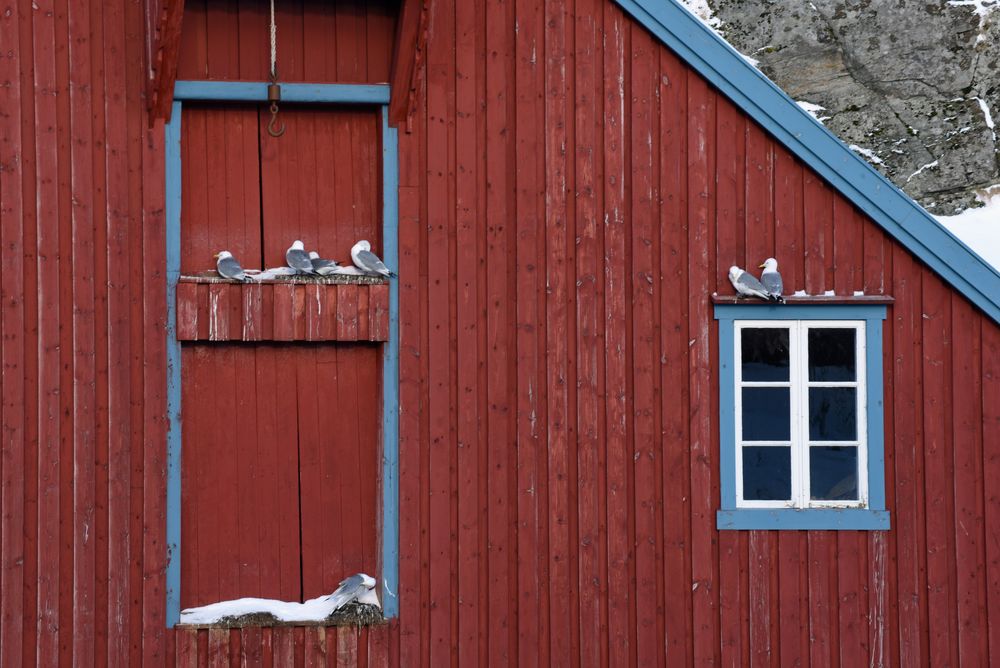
(910, 81)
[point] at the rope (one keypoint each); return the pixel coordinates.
(274, 45)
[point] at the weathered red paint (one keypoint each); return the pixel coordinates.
(570, 196)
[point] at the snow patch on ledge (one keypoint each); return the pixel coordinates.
(979, 228)
(313, 610)
(813, 110)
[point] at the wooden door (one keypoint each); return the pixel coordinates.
(280, 441)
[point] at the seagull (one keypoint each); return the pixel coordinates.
(321, 266)
(229, 267)
(298, 259)
(771, 279)
(746, 284)
(364, 259)
(359, 587)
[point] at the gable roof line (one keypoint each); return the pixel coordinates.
(814, 144)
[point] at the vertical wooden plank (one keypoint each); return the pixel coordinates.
(939, 468)
(364, 313)
(347, 647)
(852, 567)
(218, 647)
(47, 277)
(966, 402)
(499, 485)
(251, 650)
(556, 316)
(350, 40)
(218, 312)
(378, 312)
(617, 451)
(84, 372)
(299, 313)
(284, 299)
(822, 580)
(315, 646)
(253, 312)
(252, 23)
(793, 593)
(759, 599)
(12, 254)
(440, 211)
(817, 200)
(877, 256)
(249, 501)
(347, 312)
(759, 197)
(848, 247)
(701, 211)
(187, 312)
(314, 311)
(378, 646)
(588, 154)
(284, 645)
(991, 469)
(644, 148)
(908, 427)
(310, 472)
(187, 648)
(788, 221)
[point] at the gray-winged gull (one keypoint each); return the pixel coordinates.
(322, 266)
(298, 259)
(771, 279)
(229, 267)
(368, 262)
(746, 284)
(359, 587)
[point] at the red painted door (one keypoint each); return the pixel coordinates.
(280, 441)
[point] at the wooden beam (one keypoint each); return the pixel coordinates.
(165, 53)
(407, 56)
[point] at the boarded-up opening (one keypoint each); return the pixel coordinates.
(280, 441)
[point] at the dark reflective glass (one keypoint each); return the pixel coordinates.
(767, 473)
(833, 473)
(832, 354)
(765, 354)
(766, 414)
(833, 414)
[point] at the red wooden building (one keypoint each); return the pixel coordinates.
(556, 438)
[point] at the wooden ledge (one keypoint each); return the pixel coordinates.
(300, 309)
(856, 300)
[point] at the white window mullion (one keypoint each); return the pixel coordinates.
(802, 412)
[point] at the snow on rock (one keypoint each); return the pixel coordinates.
(813, 110)
(701, 9)
(929, 165)
(979, 228)
(868, 153)
(982, 8)
(987, 115)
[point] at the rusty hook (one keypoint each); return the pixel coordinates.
(272, 128)
(274, 95)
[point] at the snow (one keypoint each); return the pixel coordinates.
(829, 293)
(859, 293)
(979, 228)
(987, 115)
(868, 153)
(704, 13)
(929, 165)
(313, 610)
(982, 8)
(799, 293)
(813, 109)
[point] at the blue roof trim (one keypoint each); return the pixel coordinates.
(918, 231)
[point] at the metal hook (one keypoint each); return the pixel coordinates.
(272, 128)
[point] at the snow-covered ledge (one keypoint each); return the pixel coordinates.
(802, 298)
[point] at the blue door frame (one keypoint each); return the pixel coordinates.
(226, 91)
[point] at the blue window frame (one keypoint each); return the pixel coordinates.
(377, 94)
(801, 416)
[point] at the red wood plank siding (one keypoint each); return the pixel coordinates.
(297, 312)
(345, 42)
(269, 466)
(566, 208)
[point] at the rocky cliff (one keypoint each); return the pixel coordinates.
(911, 85)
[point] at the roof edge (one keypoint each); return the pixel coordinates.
(761, 99)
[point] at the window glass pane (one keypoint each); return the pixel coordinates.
(764, 354)
(767, 473)
(766, 414)
(833, 473)
(833, 414)
(831, 354)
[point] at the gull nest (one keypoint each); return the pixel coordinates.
(356, 614)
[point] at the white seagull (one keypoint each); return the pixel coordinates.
(229, 267)
(771, 279)
(321, 266)
(746, 284)
(298, 259)
(365, 260)
(359, 587)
